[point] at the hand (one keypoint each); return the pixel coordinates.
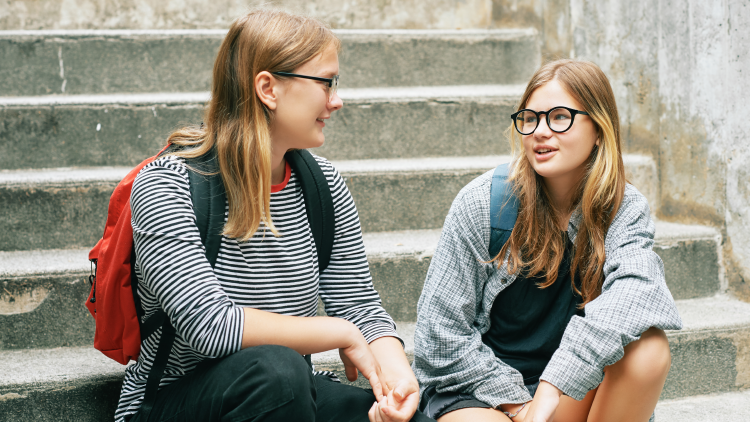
(544, 405)
(358, 356)
(398, 405)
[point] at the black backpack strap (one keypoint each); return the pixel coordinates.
(157, 370)
(503, 209)
(318, 202)
(209, 204)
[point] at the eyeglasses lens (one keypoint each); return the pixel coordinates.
(526, 122)
(333, 88)
(559, 119)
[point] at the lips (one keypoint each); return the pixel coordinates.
(544, 152)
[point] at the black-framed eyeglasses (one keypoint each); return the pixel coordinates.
(333, 83)
(559, 119)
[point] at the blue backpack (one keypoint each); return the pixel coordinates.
(503, 209)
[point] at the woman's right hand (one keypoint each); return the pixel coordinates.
(359, 356)
(543, 407)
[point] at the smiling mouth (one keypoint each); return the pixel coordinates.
(543, 151)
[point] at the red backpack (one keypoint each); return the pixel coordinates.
(114, 302)
(117, 333)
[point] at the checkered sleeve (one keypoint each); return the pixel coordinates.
(448, 349)
(634, 298)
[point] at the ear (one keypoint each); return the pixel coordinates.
(266, 88)
(597, 141)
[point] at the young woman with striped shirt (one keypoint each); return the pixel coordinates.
(244, 326)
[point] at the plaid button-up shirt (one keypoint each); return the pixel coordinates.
(461, 286)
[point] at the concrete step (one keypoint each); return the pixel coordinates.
(399, 263)
(147, 14)
(66, 208)
(708, 357)
(375, 123)
(42, 294)
(112, 61)
(729, 407)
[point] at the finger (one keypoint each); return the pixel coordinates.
(371, 413)
(403, 389)
(383, 410)
(404, 410)
(377, 387)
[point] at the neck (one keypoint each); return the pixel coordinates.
(278, 167)
(561, 191)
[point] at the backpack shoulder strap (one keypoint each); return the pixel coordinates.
(318, 202)
(503, 209)
(209, 202)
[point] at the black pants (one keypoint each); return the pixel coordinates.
(262, 383)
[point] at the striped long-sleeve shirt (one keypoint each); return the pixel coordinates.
(276, 274)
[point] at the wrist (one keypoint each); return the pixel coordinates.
(351, 334)
(545, 388)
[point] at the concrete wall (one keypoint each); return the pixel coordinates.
(677, 69)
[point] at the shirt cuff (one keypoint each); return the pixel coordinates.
(571, 375)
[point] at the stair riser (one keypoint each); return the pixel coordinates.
(101, 135)
(72, 215)
(183, 63)
(708, 362)
(56, 317)
(91, 401)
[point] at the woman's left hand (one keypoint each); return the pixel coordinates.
(400, 387)
(398, 405)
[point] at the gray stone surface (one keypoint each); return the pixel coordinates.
(678, 68)
(45, 311)
(74, 14)
(66, 208)
(709, 356)
(110, 130)
(727, 407)
(42, 292)
(124, 61)
(399, 263)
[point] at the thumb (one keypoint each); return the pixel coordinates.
(401, 391)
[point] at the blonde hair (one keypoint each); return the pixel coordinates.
(537, 243)
(236, 123)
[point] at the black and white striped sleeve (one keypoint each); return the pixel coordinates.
(173, 265)
(346, 285)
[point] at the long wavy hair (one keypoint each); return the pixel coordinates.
(236, 123)
(537, 245)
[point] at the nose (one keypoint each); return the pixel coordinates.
(543, 130)
(335, 103)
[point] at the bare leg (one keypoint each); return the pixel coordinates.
(632, 386)
(474, 414)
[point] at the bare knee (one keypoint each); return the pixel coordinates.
(647, 359)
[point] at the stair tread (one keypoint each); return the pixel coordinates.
(729, 407)
(424, 164)
(510, 92)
